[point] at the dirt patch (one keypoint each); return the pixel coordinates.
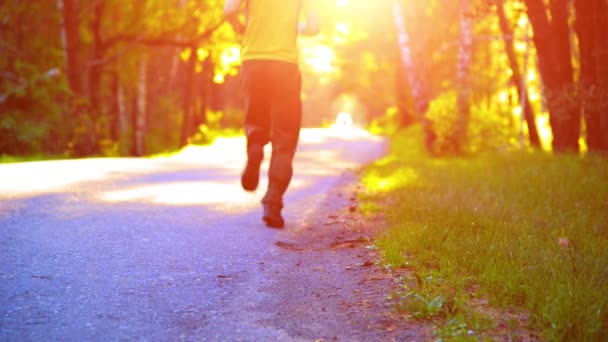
(328, 284)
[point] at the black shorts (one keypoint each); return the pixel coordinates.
(272, 102)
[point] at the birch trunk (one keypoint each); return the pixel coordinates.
(407, 61)
(205, 82)
(122, 112)
(141, 104)
(118, 117)
(421, 98)
(465, 52)
(187, 107)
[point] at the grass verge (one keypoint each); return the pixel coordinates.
(208, 138)
(7, 159)
(523, 230)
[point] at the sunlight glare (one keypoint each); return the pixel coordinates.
(320, 58)
(179, 193)
(344, 127)
(544, 131)
(182, 193)
(341, 3)
(26, 179)
(230, 60)
(344, 119)
(202, 54)
(398, 179)
(219, 79)
(342, 33)
(532, 76)
(533, 94)
(343, 28)
(231, 57)
(522, 22)
(517, 111)
(185, 54)
(503, 96)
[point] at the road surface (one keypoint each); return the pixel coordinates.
(172, 249)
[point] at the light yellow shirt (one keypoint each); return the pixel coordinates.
(272, 30)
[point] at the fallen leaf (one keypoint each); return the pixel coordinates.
(564, 242)
(367, 263)
(290, 246)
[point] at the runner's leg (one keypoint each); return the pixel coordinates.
(257, 108)
(285, 129)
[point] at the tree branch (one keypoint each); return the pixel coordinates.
(164, 40)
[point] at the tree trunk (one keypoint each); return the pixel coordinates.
(118, 116)
(115, 108)
(71, 43)
(517, 76)
(591, 21)
(421, 98)
(187, 107)
(602, 70)
(122, 114)
(83, 142)
(552, 41)
(95, 68)
(465, 53)
(402, 95)
(139, 127)
(204, 87)
(173, 70)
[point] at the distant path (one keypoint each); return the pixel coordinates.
(173, 249)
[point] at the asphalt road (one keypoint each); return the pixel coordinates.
(172, 249)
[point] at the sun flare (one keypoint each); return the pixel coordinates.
(320, 58)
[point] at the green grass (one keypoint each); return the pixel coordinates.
(6, 159)
(208, 139)
(525, 230)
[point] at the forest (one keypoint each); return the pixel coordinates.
(114, 78)
(492, 198)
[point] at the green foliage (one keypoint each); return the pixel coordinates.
(386, 124)
(51, 115)
(455, 329)
(163, 132)
(32, 121)
(421, 306)
(488, 127)
(32, 106)
(214, 128)
(530, 230)
(443, 115)
(356, 54)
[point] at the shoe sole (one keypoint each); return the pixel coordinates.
(271, 223)
(251, 175)
(250, 179)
